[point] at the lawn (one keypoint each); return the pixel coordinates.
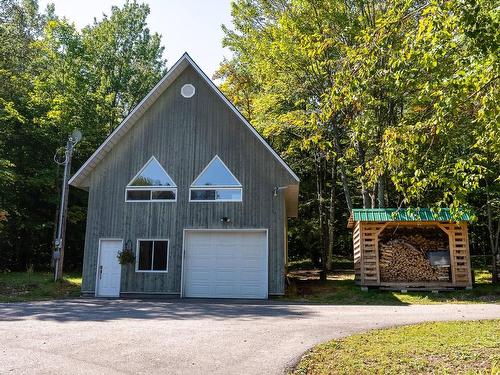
(339, 289)
(431, 348)
(33, 286)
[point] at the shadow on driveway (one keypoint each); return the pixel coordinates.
(116, 309)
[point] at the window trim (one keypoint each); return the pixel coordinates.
(189, 86)
(225, 166)
(216, 187)
(152, 255)
(151, 189)
(172, 188)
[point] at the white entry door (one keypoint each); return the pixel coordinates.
(109, 269)
(225, 264)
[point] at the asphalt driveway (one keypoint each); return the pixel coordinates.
(187, 337)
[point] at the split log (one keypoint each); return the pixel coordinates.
(405, 260)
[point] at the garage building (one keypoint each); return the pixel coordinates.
(192, 193)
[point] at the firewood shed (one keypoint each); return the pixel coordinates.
(410, 249)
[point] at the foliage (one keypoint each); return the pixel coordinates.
(55, 78)
(444, 347)
(34, 286)
(392, 103)
(373, 104)
(126, 256)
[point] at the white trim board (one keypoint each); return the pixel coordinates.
(127, 189)
(78, 179)
(216, 200)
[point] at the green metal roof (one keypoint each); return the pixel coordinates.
(405, 214)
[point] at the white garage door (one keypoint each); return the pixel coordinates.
(225, 264)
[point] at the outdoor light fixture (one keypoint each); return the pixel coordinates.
(277, 189)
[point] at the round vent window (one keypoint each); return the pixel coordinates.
(187, 90)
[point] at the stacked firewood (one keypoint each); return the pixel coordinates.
(442, 273)
(405, 259)
(424, 244)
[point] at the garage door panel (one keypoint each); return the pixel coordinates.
(197, 262)
(199, 290)
(249, 276)
(253, 264)
(225, 264)
(224, 290)
(247, 289)
(224, 275)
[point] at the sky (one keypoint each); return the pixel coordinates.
(192, 26)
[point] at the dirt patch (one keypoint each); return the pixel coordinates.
(16, 290)
(304, 283)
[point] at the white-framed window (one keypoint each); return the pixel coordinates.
(216, 183)
(151, 184)
(188, 90)
(152, 255)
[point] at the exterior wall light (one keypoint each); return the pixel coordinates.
(277, 189)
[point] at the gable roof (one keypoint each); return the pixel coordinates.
(79, 178)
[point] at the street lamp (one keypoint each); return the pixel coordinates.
(58, 255)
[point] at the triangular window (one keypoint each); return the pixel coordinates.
(151, 184)
(152, 174)
(216, 183)
(216, 173)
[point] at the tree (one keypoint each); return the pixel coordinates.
(56, 78)
(295, 52)
(20, 194)
(398, 99)
(450, 130)
(123, 59)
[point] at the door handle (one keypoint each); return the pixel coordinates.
(100, 272)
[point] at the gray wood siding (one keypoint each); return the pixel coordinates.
(184, 135)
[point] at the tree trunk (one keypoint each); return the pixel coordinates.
(373, 197)
(381, 191)
(366, 196)
(494, 234)
(367, 201)
(320, 184)
(343, 176)
(345, 187)
(495, 269)
(331, 221)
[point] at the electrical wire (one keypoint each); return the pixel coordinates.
(58, 162)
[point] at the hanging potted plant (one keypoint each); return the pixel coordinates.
(126, 255)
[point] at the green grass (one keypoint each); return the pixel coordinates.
(340, 289)
(26, 286)
(430, 348)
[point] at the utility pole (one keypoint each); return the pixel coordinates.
(63, 210)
